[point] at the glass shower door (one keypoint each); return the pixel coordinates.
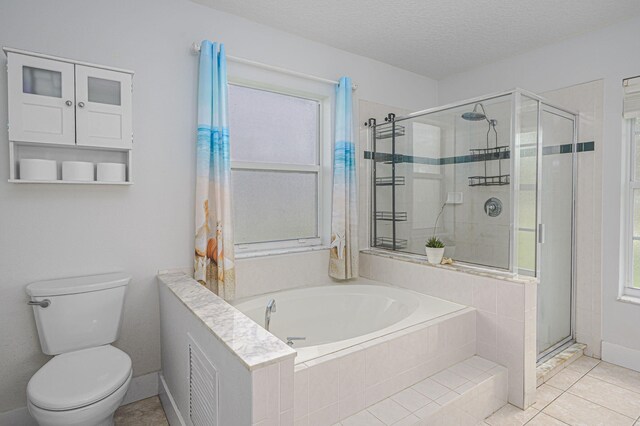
(555, 236)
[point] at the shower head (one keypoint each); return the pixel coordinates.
(475, 115)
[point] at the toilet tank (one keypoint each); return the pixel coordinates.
(83, 311)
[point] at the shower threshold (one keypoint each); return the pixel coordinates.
(555, 349)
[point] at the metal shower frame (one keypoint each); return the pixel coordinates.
(517, 95)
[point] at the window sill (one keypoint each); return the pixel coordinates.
(277, 252)
(628, 298)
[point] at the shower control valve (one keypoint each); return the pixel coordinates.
(493, 207)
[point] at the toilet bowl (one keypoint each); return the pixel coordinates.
(77, 319)
(83, 387)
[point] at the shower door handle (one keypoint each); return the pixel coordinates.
(541, 235)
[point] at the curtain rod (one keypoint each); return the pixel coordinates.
(195, 48)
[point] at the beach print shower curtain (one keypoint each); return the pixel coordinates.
(214, 258)
(343, 260)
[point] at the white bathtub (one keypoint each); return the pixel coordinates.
(335, 317)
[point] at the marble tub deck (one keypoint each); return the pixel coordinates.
(252, 344)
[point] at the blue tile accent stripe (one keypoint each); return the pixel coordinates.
(473, 158)
(586, 146)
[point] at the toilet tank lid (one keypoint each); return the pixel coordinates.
(75, 285)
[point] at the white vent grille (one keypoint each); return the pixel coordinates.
(203, 388)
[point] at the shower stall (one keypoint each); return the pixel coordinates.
(491, 177)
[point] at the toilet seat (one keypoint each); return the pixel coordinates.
(79, 378)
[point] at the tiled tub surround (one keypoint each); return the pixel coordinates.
(254, 369)
(336, 386)
(505, 311)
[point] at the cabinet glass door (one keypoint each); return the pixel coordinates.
(41, 100)
(103, 116)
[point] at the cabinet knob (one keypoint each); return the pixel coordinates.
(81, 104)
(68, 103)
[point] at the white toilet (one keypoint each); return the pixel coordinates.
(77, 319)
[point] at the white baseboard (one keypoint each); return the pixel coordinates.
(18, 417)
(621, 355)
(141, 387)
(169, 404)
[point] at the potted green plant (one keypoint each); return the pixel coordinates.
(435, 250)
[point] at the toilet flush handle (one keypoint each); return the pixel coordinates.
(42, 303)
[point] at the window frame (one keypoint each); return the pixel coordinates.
(321, 169)
(632, 132)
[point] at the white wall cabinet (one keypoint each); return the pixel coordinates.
(61, 102)
(103, 108)
(66, 110)
(41, 100)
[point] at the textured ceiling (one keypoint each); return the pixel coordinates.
(433, 37)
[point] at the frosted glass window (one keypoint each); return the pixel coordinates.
(636, 238)
(104, 91)
(634, 188)
(425, 211)
(274, 205)
(636, 264)
(37, 81)
(426, 145)
(272, 127)
(636, 143)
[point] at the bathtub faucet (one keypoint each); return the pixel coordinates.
(291, 339)
(271, 307)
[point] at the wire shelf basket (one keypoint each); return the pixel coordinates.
(399, 216)
(489, 180)
(387, 242)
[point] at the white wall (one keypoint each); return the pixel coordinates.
(609, 54)
(51, 231)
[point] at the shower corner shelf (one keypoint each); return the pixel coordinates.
(396, 217)
(386, 242)
(389, 180)
(388, 132)
(489, 180)
(488, 154)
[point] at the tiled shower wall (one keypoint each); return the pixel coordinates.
(469, 234)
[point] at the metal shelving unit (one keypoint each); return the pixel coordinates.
(387, 131)
(388, 180)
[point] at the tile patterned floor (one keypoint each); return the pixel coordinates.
(587, 392)
(147, 412)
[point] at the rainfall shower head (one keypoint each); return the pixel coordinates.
(475, 115)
